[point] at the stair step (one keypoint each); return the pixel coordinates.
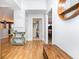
(54, 52)
(64, 54)
(50, 53)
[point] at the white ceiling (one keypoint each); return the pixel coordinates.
(24, 4)
(34, 4)
(9, 3)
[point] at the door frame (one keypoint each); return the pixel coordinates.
(40, 24)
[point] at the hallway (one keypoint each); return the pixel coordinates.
(39, 29)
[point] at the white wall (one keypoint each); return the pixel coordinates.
(66, 32)
(49, 5)
(34, 4)
(46, 28)
(19, 20)
(29, 24)
(19, 2)
(19, 15)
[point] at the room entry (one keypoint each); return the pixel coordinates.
(50, 27)
(37, 28)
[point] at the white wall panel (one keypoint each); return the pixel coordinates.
(66, 32)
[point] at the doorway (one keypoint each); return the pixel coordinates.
(37, 28)
(50, 27)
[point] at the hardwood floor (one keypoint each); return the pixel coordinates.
(31, 50)
(35, 49)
